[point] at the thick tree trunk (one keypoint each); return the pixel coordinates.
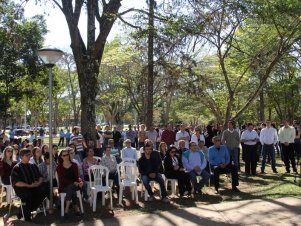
(150, 78)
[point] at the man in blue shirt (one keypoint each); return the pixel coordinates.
(219, 160)
(195, 163)
(68, 137)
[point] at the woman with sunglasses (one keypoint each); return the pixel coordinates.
(69, 180)
(174, 170)
(6, 165)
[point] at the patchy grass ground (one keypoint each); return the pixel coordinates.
(266, 186)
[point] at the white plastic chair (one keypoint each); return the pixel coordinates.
(7, 188)
(174, 183)
(99, 173)
(63, 196)
(127, 176)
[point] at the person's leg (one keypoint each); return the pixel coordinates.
(273, 159)
(180, 176)
(26, 197)
(193, 180)
(292, 156)
(216, 173)
(285, 151)
(264, 155)
(145, 180)
(232, 169)
(160, 180)
(247, 154)
(205, 178)
(253, 159)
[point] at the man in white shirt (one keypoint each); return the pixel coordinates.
(287, 139)
(249, 138)
(152, 135)
(268, 138)
(183, 135)
(129, 152)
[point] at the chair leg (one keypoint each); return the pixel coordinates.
(120, 194)
(62, 197)
(8, 194)
(103, 198)
(80, 201)
(132, 192)
(44, 206)
(2, 190)
(136, 194)
(173, 188)
(94, 201)
(111, 200)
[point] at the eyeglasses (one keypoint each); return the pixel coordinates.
(9, 150)
(65, 155)
(109, 147)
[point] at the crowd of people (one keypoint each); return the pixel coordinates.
(190, 155)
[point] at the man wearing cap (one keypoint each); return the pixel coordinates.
(194, 162)
(27, 183)
(129, 152)
(219, 160)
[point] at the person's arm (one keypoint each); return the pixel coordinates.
(186, 164)
(135, 154)
(261, 137)
(178, 137)
(223, 140)
(211, 157)
(275, 137)
(141, 167)
(168, 167)
(204, 163)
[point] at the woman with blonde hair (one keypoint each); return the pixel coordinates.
(6, 165)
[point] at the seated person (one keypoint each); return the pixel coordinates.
(110, 162)
(174, 169)
(38, 160)
(195, 163)
(204, 149)
(88, 162)
(6, 165)
(129, 152)
(181, 148)
(219, 160)
(162, 149)
(69, 180)
(150, 165)
(28, 186)
(114, 151)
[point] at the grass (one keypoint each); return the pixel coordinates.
(268, 186)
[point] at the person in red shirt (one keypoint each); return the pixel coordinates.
(69, 180)
(168, 136)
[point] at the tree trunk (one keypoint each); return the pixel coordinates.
(150, 78)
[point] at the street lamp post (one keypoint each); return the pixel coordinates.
(50, 56)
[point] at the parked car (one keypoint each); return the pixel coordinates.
(21, 132)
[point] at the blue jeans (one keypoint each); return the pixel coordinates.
(205, 178)
(234, 156)
(146, 179)
(268, 150)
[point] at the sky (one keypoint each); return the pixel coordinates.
(58, 33)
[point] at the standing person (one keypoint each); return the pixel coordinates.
(107, 134)
(268, 138)
(69, 180)
(99, 142)
(197, 136)
(11, 136)
(6, 165)
(42, 134)
(131, 134)
(150, 165)
(78, 141)
(182, 134)
(141, 136)
(219, 160)
(31, 137)
(116, 138)
(195, 163)
(209, 134)
(297, 145)
(287, 135)
(68, 137)
(28, 185)
(62, 138)
(174, 169)
(168, 136)
(152, 135)
(231, 139)
(249, 138)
